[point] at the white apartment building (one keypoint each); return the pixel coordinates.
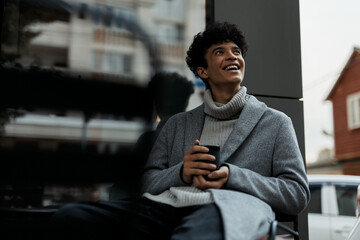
(101, 36)
(111, 40)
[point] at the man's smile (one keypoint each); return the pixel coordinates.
(231, 67)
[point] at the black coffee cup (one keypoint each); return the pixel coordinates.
(215, 151)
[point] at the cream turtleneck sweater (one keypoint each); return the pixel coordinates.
(220, 118)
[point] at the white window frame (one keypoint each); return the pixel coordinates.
(353, 110)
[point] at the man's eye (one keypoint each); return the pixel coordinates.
(218, 52)
(237, 52)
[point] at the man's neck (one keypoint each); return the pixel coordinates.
(224, 95)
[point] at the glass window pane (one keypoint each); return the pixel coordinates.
(346, 199)
(358, 111)
(315, 201)
(58, 57)
(173, 9)
(352, 109)
(127, 64)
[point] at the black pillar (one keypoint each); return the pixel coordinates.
(273, 61)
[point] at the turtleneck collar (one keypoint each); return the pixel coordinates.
(225, 111)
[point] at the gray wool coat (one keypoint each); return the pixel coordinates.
(267, 171)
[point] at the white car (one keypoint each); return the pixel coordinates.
(332, 208)
(355, 232)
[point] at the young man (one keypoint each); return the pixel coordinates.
(261, 169)
(261, 166)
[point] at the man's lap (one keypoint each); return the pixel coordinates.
(137, 219)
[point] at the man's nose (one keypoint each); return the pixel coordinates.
(230, 55)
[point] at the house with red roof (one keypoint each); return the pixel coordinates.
(345, 98)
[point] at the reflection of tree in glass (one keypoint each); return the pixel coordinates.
(7, 115)
(17, 18)
(170, 92)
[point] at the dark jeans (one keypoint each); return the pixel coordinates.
(137, 219)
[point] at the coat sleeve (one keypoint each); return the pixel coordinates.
(159, 175)
(286, 190)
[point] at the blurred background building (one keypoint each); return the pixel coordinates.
(103, 39)
(105, 44)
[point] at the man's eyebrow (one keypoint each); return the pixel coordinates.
(217, 48)
(221, 48)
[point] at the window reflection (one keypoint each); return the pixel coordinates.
(315, 201)
(74, 76)
(346, 199)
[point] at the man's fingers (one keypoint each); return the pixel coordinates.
(196, 181)
(198, 171)
(223, 172)
(197, 148)
(197, 161)
(194, 147)
(217, 174)
(200, 182)
(201, 157)
(200, 165)
(196, 142)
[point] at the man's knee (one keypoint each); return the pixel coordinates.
(203, 223)
(71, 212)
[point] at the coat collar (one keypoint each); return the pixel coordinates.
(194, 124)
(249, 117)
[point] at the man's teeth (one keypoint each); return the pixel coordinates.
(231, 67)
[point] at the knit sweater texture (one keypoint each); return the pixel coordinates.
(221, 118)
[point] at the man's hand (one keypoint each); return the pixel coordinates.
(193, 165)
(220, 177)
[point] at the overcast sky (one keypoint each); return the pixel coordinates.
(330, 29)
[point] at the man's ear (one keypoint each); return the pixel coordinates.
(202, 72)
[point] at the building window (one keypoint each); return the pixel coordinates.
(169, 33)
(111, 17)
(353, 113)
(174, 9)
(112, 63)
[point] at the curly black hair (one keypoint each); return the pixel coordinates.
(217, 32)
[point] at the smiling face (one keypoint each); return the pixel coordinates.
(226, 66)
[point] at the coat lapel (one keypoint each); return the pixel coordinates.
(249, 117)
(194, 125)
